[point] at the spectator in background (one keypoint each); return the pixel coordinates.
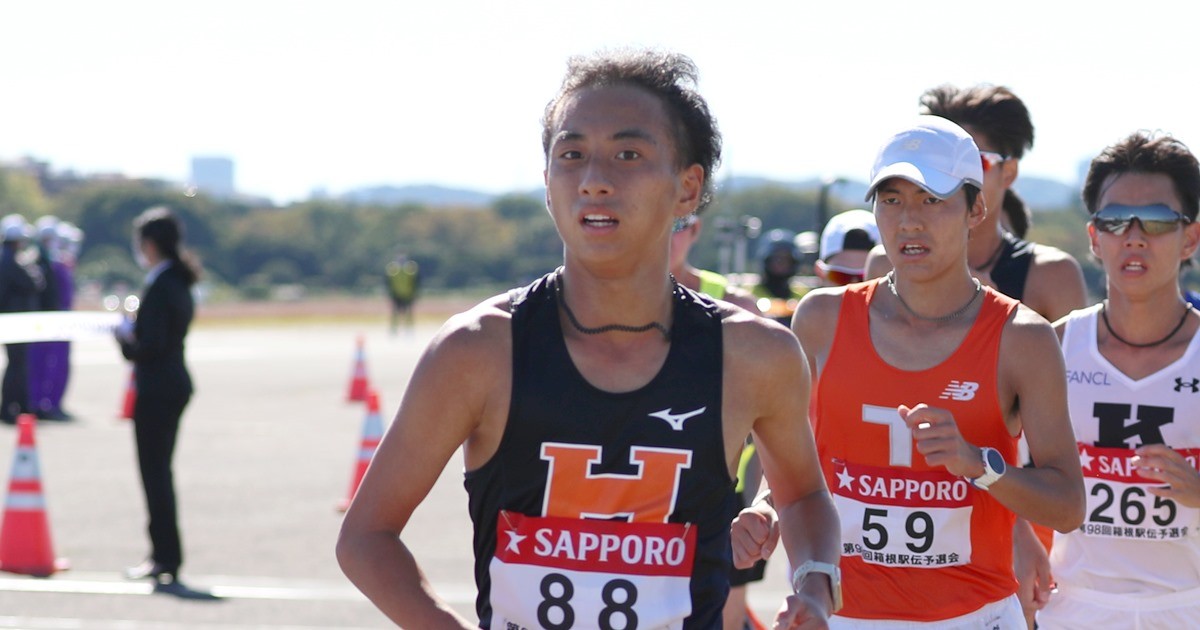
(778, 290)
(48, 359)
(20, 285)
(402, 276)
(154, 342)
(845, 242)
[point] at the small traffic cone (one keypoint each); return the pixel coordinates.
(130, 398)
(25, 532)
(358, 380)
(372, 433)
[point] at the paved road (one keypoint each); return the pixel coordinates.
(267, 448)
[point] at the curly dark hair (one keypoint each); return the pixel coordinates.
(671, 77)
(992, 110)
(1146, 152)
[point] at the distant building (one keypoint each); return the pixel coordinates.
(213, 176)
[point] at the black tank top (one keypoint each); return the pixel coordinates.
(1012, 266)
(553, 406)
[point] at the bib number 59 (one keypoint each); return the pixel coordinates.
(918, 526)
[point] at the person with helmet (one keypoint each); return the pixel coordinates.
(48, 359)
(20, 283)
(777, 290)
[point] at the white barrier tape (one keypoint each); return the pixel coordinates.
(56, 325)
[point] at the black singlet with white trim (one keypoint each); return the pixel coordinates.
(1012, 266)
(553, 404)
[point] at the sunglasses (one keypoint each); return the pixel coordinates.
(839, 275)
(1153, 219)
(683, 223)
(991, 159)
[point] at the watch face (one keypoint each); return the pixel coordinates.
(995, 461)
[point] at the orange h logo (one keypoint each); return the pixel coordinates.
(647, 496)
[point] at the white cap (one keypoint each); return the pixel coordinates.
(933, 153)
(837, 235)
(15, 228)
(46, 227)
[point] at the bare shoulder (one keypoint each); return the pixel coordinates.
(741, 297)
(752, 342)
(478, 336)
(817, 315)
(1048, 255)
(1055, 285)
(1030, 331)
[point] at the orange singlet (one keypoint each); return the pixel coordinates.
(918, 543)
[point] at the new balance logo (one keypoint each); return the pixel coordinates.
(676, 420)
(960, 390)
(1193, 385)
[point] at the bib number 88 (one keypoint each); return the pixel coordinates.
(555, 611)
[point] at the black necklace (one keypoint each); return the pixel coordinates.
(1187, 308)
(558, 291)
(891, 282)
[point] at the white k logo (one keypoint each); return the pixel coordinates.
(960, 390)
(676, 420)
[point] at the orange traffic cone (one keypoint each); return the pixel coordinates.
(358, 380)
(25, 533)
(372, 433)
(130, 398)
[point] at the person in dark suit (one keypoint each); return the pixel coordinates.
(154, 342)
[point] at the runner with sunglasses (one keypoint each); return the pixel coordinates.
(1133, 374)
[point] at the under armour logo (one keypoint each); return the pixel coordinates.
(676, 420)
(960, 390)
(1194, 385)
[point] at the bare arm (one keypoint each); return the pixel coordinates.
(807, 518)
(444, 407)
(1051, 491)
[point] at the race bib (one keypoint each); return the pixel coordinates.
(558, 573)
(1119, 504)
(903, 518)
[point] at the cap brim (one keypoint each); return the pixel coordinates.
(938, 184)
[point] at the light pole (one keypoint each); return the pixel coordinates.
(823, 201)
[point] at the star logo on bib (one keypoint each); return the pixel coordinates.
(1085, 459)
(844, 479)
(514, 539)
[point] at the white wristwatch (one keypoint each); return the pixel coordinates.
(994, 467)
(835, 579)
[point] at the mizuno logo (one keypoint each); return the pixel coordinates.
(960, 390)
(676, 420)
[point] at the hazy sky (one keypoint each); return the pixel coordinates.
(346, 93)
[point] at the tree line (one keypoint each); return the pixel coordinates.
(335, 246)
